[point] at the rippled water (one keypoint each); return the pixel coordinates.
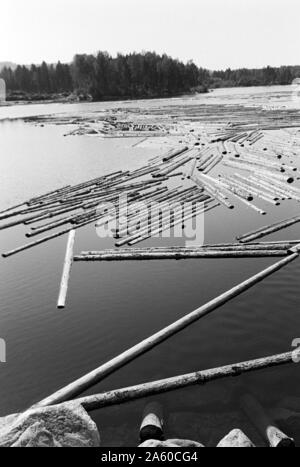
(112, 306)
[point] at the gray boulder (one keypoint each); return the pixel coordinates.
(170, 443)
(64, 425)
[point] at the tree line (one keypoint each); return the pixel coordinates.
(43, 79)
(255, 77)
(135, 75)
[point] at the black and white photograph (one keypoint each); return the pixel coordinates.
(149, 226)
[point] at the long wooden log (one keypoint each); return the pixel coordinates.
(173, 153)
(12, 208)
(237, 193)
(274, 191)
(27, 246)
(267, 230)
(167, 171)
(18, 222)
(177, 255)
(245, 194)
(256, 191)
(278, 184)
(77, 387)
(169, 249)
(212, 192)
(61, 303)
(201, 378)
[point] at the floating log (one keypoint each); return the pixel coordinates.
(15, 223)
(164, 172)
(267, 230)
(173, 153)
(257, 415)
(256, 191)
(177, 255)
(212, 191)
(269, 173)
(12, 208)
(241, 193)
(80, 385)
(198, 248)
(284, 178)
(49, 237)
(199, 378)
(61, 303)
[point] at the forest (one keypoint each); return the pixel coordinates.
(136, 75)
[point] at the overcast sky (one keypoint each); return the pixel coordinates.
(214, 33)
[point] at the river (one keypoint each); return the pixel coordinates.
(112, 306)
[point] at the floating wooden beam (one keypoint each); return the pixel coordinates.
(177, 255)
(267, 230)
(202, 377)
(61, 303)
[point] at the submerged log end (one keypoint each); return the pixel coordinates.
(152, 423)
(5, 255)
(278, 439)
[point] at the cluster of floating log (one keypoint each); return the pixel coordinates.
(78, 205)
(244, 123)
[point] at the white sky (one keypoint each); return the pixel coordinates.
(214, 33)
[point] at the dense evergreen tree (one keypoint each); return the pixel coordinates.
(134, 75)
(255, 77)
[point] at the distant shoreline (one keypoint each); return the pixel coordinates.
(74, 99)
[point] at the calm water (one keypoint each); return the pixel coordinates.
(112, 306)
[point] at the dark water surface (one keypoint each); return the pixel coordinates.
(112, 306)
